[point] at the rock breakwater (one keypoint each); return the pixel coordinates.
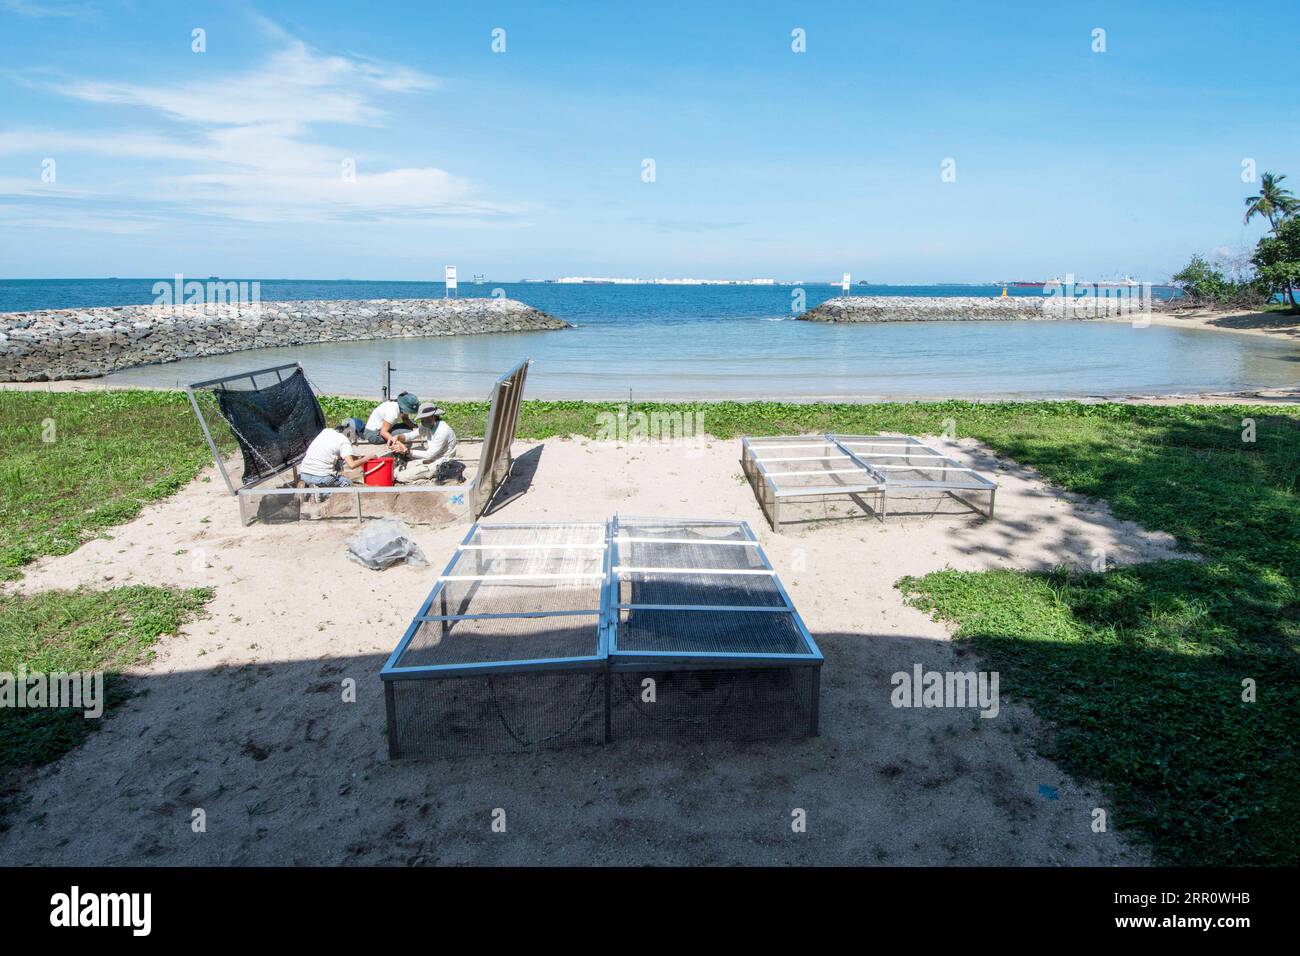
(82, 343)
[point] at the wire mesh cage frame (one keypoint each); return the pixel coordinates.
(611, 663)
(495, 460)
(726, 667)
(874, 480)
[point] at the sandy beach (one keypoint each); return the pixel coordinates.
(242, 714)
(1246, 322)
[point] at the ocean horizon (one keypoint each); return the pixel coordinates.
(26, 295)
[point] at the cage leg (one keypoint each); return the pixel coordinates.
(992, 495)
(814, 720)
(247, 515)
(609, 679)
(358, 497)
(390, 708)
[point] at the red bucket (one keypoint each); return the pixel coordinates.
(378, 472)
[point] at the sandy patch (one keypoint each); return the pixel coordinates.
(1276, 325)
(242, 715)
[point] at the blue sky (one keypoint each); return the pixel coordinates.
(528, 163)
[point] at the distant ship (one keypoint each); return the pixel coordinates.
(1127, 281)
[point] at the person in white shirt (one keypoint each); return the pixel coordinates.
(380, 425)
(439, 449)
(320, 466)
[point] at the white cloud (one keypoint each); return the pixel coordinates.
(295, 85)
(28, 8)
(76, 220)
(126, 145)
(246, 147)
(33, 186)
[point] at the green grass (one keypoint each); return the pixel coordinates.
(60, 631)
(1138, 670)
(108, 455)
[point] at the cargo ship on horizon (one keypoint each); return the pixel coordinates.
(1120, 283)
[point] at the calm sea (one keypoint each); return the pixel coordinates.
(724, 342)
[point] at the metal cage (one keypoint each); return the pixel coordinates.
(704, 641)
(259, 499)
(861, 471)
(544, 635)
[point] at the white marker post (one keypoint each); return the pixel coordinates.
(845, 283)
(451, 283)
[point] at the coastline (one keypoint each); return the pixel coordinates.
(1272, 325)
(1254, 396)
(1277, 327)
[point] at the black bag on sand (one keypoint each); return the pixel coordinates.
(450, 470)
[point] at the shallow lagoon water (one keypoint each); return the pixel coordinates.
(712, 342)
(799, 360)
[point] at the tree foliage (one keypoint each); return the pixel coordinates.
(1273, 202)
(1202, 284)
(1277, 259)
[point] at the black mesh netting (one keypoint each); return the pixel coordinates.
(496, 713)
(739, 704)
(273, 425)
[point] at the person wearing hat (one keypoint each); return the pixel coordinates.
(379, 426)
(439, 443)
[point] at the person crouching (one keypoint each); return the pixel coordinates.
(328, 453)
(390, 423)
(436, 458)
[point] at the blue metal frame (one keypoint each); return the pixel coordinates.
(390, 671)
(607, 615)
(629, 658)
(608, 656)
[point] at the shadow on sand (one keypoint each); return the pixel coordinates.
(287, 772)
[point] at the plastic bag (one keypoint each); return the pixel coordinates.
(383, 543)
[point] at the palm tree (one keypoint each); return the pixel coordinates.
(1272, 201)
